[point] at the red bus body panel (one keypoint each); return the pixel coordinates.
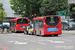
(45, 26)
(20, 29)
(17, 28)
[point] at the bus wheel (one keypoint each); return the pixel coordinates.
(56, 35)
(40, 34)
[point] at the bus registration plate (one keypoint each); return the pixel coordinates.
(22, 26)
(52, 32)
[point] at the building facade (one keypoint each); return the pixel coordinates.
(71, 1)
(8, 10)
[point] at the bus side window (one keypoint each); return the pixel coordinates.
(41, 23)
(14, 24)
(11, 23)
(36, 23)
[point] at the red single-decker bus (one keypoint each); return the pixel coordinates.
(47, 25)
(19, 24)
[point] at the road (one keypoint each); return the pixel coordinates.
(19, 41)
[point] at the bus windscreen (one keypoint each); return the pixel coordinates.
(22, 21)
(52, 21)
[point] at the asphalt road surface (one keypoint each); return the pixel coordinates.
(19, 41)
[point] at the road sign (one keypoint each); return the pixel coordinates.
(61, 13)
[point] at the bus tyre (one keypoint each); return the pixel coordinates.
(40, 34)
(56, 35)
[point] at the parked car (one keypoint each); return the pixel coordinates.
(68, 25)
(29, 29)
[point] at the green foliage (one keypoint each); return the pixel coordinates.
(49, 7)
(73, 8)
(25, 7)
(1, 5)
(2, 13)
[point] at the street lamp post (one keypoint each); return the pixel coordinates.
(2, 20)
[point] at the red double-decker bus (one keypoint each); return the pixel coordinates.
(19, 24)
(47, 25)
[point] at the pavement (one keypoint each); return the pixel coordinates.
(68, 31)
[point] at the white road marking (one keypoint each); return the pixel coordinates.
(67, 40)
(32, 41)
(55, 41)
(17, 42)
(65, 47)
(41, 43)
(58, 42)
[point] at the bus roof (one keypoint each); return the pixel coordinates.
(12, 20)
(18, 18)
(39, 18)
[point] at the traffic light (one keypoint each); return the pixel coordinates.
(35, 15)
(32, 15)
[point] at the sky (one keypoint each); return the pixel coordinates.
(8, 10)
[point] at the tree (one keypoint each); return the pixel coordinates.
(2, 13)
(49, 7)
(73, 12)
(25, 7)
